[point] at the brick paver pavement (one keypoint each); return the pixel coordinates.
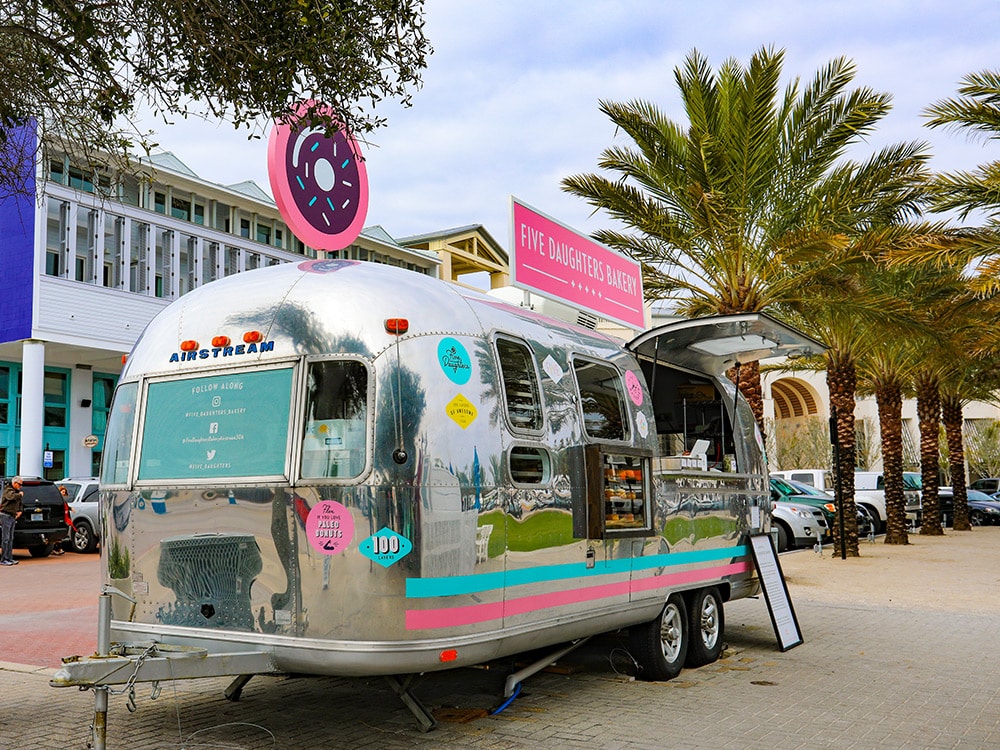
(865, 677)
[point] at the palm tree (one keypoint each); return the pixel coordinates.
(976, 109)
(885, 372)
(852, 336)
(969, 373)
(751, 205)
(951, 416)
(938, 304)
(927, 383)
(842, 382)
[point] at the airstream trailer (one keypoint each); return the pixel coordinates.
(344, 468)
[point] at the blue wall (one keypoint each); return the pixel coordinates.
(17, 241)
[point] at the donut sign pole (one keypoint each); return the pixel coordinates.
(320, 183)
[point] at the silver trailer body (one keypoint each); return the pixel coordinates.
(358, 470)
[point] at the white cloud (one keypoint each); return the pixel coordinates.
(510, 101)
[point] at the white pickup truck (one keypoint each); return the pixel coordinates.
(869, 490)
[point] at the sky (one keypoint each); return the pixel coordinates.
(509, 101)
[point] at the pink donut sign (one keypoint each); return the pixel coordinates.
(320, 184)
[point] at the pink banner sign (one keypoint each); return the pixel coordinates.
(551, 259)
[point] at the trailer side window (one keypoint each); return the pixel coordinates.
(335, 443)
(118, 438)
(520, 385)
(529, 465)
(602, 400)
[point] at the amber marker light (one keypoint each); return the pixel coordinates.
(218, 341)
(189, 346)
(397, 326)
(253, 337)
(448, 655)
(124, 358)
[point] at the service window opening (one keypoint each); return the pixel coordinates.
(219, 426)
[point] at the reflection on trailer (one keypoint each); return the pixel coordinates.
(345, 468)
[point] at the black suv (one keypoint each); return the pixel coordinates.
(45, 520)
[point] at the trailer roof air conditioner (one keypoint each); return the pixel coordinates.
(545, 306)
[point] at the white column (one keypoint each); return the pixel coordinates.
(97, 249)
(172, 265)
(32, 407)
(198, 259)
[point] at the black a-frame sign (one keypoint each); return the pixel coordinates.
(779, 603)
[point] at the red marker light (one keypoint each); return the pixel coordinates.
(397, 326)
(189, 346)
(448, 655)
(253, 337)
(124, 358)
(218, 341)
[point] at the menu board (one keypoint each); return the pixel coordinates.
(232, 425)
(779, 603)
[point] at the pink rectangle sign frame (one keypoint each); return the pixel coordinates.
(551, 259)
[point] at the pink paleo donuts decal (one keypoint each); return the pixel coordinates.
(320, 184)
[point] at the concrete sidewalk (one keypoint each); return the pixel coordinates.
(884, 665)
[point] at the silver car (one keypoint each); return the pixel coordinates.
(81, 494)
(798, 524)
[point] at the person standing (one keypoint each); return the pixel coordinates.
(10, 510)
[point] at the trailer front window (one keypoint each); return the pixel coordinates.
(231, 425)
(335, 443)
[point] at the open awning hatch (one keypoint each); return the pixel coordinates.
(713, 345)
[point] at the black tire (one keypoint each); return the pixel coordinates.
(783, 536)
(976, 518)
(81, 537)
(706, 625)
(877, 522)
(41, 550)
(660, 646)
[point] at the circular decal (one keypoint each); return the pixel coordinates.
(641, 424)
(320, 183)
(455, 360)
(329, 527)
(634, 388)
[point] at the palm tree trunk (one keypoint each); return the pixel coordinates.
(929, 414)
(747, 377)
(889, 398)
(842, 380)
(951, 415)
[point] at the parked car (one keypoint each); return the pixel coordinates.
(866, 524)
(83, 506)
(791, 490)
(989, 485)
(45, 521)
(821, 479)
(983, 509)
(869, 491)
(797, 524)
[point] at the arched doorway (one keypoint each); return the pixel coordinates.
(801, 433)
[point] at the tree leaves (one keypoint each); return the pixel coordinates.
(82, 70)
